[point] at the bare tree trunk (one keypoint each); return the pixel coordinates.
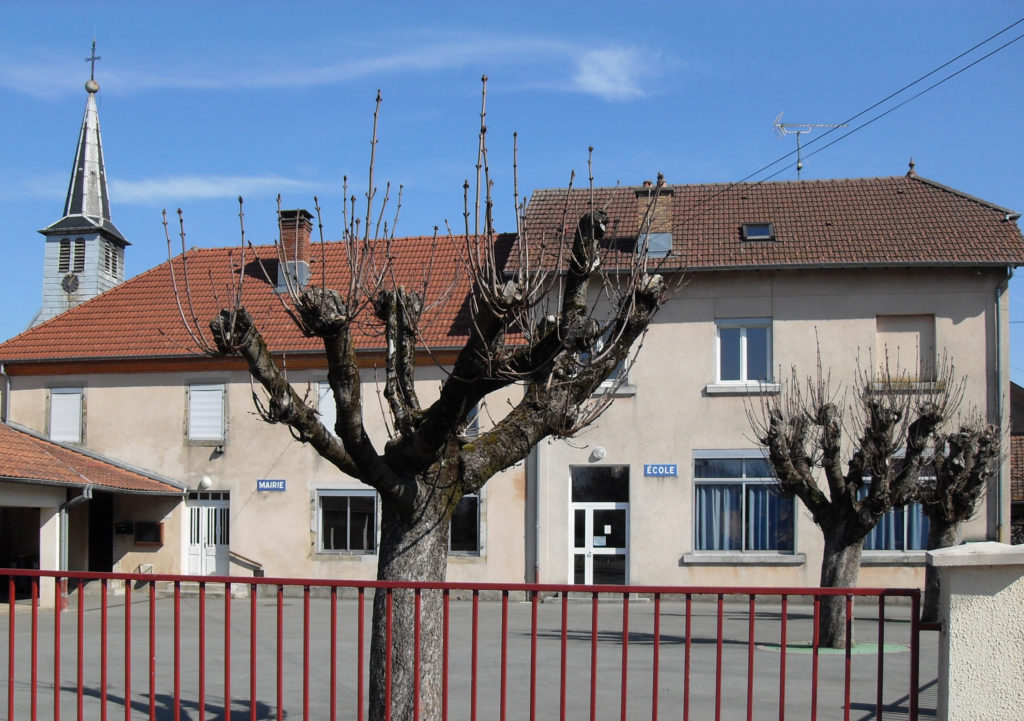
(409, 551)
(941, 534)
(840, 565)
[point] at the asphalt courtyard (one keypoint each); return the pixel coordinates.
(273, 699)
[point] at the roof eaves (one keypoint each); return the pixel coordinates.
(1010, 214)
(101, 458)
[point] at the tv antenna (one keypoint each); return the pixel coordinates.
(798, 129)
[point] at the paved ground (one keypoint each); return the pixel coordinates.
(640, 647)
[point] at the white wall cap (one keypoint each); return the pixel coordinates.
(986, 553)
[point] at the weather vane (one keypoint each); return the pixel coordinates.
(798, 129)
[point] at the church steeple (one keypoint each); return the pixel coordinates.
(84, 249)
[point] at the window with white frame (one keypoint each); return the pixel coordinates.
(347, 521)
(326, 407)
(744, 350)
(66, 415)
(464, 535)
(900, 529)
(206, 412)
(738, 506)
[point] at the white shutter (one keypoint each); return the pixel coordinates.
(66, 415)
(326, 407)
(206, 412)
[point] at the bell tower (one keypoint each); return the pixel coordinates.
(84, 249)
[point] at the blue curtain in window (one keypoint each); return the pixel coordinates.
(719, 517)
(769, 519)
(887, 535)
(917, 528)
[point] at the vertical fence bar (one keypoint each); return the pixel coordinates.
(593, 657)
(814, 658)
(624, 687)
(686, 659)
(881, 655)
(58, 602)
(177, 650)
(279, 622)
(252, 652)
(782, 658)
(417, 601)
(751, 612)
(718, 656)
(389, 606)
(656, 656)
(474, 654)
(202, 652)
(564, 648)
(80, 652)
(533, 655)
(227, 650)
(360, 652)
(445, 642)
(849, 664)
(915, 649)
(334, 654)
(34, 673)
(305, 653)
(103, 649)
(127, 650)
(504, 656)
(152, 650)
(10, 647)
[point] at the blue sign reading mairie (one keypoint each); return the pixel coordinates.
(268, 485)
(661, 469)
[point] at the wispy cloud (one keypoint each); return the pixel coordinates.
(179, 188)
(611, 73)
(614, 73)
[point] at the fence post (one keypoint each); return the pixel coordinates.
(982, 638)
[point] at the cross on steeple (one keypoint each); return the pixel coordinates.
(92, 61)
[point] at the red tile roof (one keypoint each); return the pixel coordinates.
(24, 456)
(1017, 468)
(141, 319)
(898, 221)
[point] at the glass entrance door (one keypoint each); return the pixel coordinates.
(600, 525)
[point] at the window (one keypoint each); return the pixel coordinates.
(473, 423)
(758, 231)
(79, 255)
(744, 349)
(110, 258)
(206, 413)
(905, 347)
(66, 415)
(64, 258)
(659, 245)
(325, 406)
(738, 505)
(464, 537)
(347, 521)
(900, 529)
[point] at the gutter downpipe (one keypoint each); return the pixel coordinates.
(86, 495)
(1004, 423)
(533, 474)
(5, 395)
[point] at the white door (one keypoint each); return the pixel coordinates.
(207, 542)
(599, 525)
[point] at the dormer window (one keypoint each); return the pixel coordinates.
(758, 231)
(659, 245)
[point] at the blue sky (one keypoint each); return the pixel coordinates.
(201, 102)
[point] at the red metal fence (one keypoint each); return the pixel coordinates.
(174, 647)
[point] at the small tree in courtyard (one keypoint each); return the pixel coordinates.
(557, 335)
(871, 452)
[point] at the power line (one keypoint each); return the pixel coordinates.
(728, 188)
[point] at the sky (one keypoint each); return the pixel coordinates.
(202, 102)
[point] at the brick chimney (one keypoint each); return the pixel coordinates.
(296, 227)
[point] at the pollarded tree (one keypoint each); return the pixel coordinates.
(558, 335)
(892, 430)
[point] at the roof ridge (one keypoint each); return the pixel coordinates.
(1012, 214)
